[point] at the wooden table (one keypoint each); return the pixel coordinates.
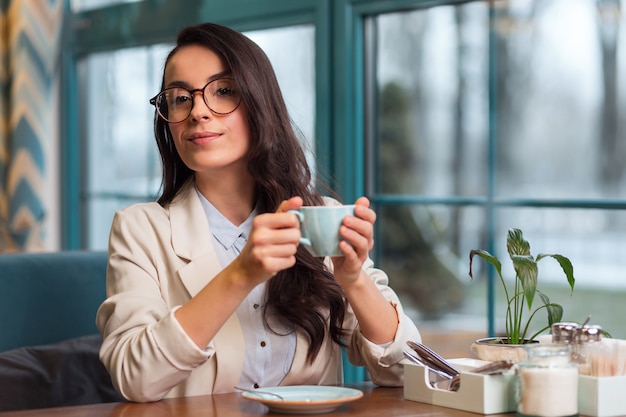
(376, 402)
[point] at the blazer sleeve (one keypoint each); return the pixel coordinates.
(144, 349)
(382, 362)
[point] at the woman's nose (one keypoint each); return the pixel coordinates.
(199, 110)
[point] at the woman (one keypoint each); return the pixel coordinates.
(208, 288)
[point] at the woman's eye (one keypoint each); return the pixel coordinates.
(224, 91)
(178, 100)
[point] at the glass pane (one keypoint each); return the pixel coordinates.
(122, 154)
(431, 68)
(292, 52)
(560, 87)
(427, 264)
(122, 162)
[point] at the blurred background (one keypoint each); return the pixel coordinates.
(458, 119)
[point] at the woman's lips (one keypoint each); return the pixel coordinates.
(203, 137)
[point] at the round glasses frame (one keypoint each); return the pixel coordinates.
(234, 99)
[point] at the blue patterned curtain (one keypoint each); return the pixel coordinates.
(29, 53)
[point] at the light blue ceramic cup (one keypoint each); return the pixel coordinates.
(319, 226)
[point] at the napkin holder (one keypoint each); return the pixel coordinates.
(602, 396)
(483, 394)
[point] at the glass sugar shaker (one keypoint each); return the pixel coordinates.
(547, 381)
(595, 356)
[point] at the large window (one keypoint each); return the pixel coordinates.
(482, 126)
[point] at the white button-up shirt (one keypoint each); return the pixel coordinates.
(269, 352)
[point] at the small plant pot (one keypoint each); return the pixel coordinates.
(496, 349)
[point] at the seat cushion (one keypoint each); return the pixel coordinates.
(55, 375)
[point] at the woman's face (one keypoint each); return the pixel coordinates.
(208, 143)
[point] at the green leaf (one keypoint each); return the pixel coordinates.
(487, 257)
(555, 311)
(566, 266)
(516, 244)
(526, 271)
(498, 266)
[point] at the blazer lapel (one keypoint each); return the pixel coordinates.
(191, 240)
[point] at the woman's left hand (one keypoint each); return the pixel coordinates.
(358, 239)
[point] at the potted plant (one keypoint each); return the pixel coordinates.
(521, 297)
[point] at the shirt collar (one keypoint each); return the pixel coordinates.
(224, 231)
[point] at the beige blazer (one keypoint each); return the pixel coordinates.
(161, 257)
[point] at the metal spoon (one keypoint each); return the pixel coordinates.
(418, 361)
(431, 358)
(260, 392)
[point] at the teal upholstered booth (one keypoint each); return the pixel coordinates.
(49, 343)
(49, 297)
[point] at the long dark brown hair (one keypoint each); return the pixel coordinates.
(304, 294)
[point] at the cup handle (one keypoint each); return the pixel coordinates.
(300, 216)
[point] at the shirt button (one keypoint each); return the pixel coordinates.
(256, 385)
(263, 344)
(255, 306)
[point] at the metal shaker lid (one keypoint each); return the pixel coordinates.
(564, 332)
(591, 333)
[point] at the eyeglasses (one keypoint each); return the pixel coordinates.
(174, 104)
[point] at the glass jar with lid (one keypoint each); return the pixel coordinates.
(595, 355)
(547, 382)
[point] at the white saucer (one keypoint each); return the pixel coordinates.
(304, 399)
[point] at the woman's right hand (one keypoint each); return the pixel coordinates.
(271, 247)
(272, 243)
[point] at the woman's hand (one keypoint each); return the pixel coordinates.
(271, 247)
(272, 243)
(358, 234)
